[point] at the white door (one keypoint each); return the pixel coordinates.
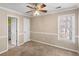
(13, 31)
(26, 30)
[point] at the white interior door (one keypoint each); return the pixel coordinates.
(13, 31)
(26, 30)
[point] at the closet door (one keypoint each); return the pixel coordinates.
(26, 29)
(14, 31)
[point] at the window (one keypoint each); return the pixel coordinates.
(66, 27)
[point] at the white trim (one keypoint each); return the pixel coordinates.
(7, 33)
(24, 42)
(58, 26)
(3, 51)
(10, 10)
(18, 30)
(48, 33)
(21, 44)
(57, 46)
(44, 33)
(73, 26)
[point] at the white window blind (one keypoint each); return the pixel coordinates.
(66, 27)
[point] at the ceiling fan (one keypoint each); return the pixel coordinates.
(37, 8)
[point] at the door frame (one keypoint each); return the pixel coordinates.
(10, 15)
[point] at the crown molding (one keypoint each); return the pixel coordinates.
(10, 10)
(58, 11)
(62, 10)
(13, 11)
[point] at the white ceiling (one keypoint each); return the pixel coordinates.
(51, 7)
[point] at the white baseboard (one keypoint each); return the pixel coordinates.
(27, 41)
(3, 51)
(57, 46)
(23, 43)
(20, 44)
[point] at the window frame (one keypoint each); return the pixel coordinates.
(73, 30)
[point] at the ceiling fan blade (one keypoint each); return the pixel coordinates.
(29, 11)
(30, 7)
(43, 11)
(43, 5)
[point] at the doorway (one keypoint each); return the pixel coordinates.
(12, 32)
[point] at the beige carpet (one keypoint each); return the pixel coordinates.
(37, 49)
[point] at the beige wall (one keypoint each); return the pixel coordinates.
(4, 26)
(3, 31)
(41, 24)
(45, 29)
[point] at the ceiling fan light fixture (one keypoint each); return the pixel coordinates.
(36, 13)
(37, 9)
